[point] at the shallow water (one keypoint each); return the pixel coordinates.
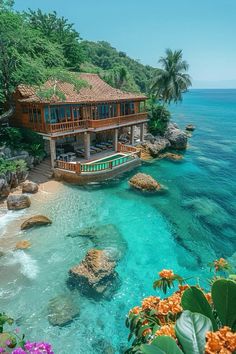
(184, 229)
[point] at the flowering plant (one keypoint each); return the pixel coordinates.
(12, 342)
(189, 321)
(166, 280)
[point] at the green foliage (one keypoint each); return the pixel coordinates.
(172, 80)
(191, 329)
(57, 30)
(12, 137)
(194, 300)
(159, 117)
(5, 319)
(224, 299)
(162, 344)
(12, 166)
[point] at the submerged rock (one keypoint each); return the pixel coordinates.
(145, 182)
(95, 275)
(177, 137)
(37, 220)
(106, 237)
(62, 310)
(23, 244)
(18, 201)
(171, 156)
(190, 127)
(29, 187)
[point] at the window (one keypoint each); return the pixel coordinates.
(25, 109)
(39, 115)
(46, 114)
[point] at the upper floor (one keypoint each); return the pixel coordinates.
(95, 108)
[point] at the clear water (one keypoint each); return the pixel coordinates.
(183, 229)
(110, 158)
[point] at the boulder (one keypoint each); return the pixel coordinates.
(62, 310)
(18, 201)
(190, 127)
(157, 145)
(4, 188)
(177, 137)
(95, 275)
(23, 244)
(145, 182)
(36, 220)
(29, 187)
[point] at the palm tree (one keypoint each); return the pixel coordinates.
(172, 80)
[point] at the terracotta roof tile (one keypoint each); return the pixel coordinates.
(97, 91)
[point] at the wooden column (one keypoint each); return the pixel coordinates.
(115, 139)
(87, 145)
(118, 109)
(142, 132)
(132, 135)
(53, 152)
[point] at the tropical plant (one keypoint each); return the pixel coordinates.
(12, 166)
(172, 79)
(12, 137)
(190, 321)
(159, 117)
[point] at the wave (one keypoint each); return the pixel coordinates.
(28, 266)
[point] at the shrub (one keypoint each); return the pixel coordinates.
(159, 117)
(12, 137)
(12, 166)
(190, 320)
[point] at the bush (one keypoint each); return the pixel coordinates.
(190, 320)
(159, 119)
(12, 166)
(11, 137)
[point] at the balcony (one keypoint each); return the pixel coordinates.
(117, 121)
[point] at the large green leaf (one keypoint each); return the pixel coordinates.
(151, 349)
(167, 344)
(191, 331)
(194, 300)
(224, 299)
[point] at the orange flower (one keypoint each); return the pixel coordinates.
(170, 305)
(220, 264)
(146, 331)
(166, 330)
(135, 310)
(182, 288)
(208, 297)
(150, 303)
(221, 342)
(166, 273)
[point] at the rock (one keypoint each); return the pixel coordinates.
(95, 275)
(7, 152)
(171, 156)
(177, 138)
(37, 220)
(157, 145)
(24, 244)
(4, 188)
(103, 347)
(18, 201)
(145, 182)
(106, 237)
(29, 187)
(62, 310)
(190, 127)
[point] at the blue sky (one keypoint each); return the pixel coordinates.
(204, 29)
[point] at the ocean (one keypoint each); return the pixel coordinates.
(184, 229)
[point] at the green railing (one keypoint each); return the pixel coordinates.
(107, 165)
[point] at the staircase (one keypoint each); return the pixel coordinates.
(42, 172)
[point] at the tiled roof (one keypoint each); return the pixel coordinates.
(97, 91)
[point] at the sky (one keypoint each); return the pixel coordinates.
(204, 29)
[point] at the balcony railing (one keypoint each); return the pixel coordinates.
(121, 120)
(66, 126)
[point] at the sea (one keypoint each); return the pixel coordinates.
(183, 229)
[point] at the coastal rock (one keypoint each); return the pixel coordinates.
(158, 145)
(29, 187)
(61, 310)
(4, 188)
(177, 137)
(190, 127)
(145, 182)
(36, 220)
(18, 201)
(106, 237)
(23, 244)
(95, 275)
(171, 156)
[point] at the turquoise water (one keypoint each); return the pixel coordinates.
(103, 164)
(184, 229)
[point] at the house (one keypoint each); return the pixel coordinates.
(81, 131)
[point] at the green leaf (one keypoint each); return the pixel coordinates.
(194, 300)
(167, 344)
(224, 299)
(191, 329)
(151, 349)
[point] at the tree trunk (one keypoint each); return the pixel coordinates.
(6, 115)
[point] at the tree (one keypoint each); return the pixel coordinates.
(159, 119)
(171, 80)
(59, 31)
